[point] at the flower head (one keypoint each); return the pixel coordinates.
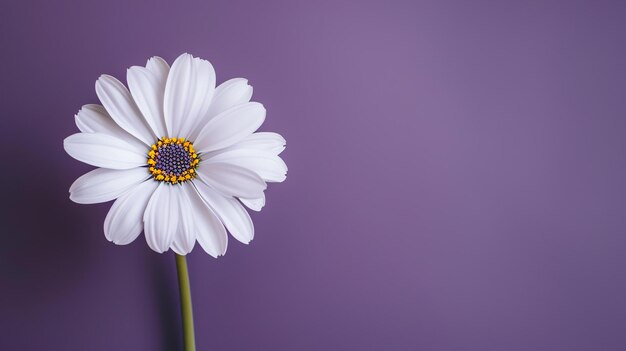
(177, 154)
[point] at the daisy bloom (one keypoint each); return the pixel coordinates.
(180, 156)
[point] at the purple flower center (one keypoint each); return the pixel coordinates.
(173, 159)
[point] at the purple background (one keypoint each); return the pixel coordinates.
(457, 178)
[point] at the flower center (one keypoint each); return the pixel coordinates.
(173, 160)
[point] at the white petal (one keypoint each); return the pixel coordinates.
(102, 184)
(230, 127)
(228, 94)
(268, 166)
(231, 180)
(254, 204)
(148, 88)
(210, 231)
(103, 150)
(230, 211)
(158, 66)
(161, 219)
(188, 92)
(270, 142)
(119, 103)
(94, 118)
(124, 222)
(185, 238)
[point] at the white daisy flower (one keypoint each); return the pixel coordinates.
(178, 155)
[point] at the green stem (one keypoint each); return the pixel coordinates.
(185, 303)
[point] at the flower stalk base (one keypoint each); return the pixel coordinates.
(185, 303)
